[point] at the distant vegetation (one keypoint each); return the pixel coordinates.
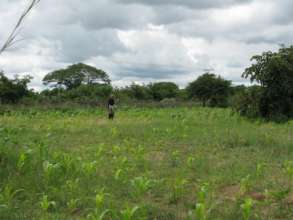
(271, 98)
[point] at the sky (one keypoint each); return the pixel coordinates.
(144, 41)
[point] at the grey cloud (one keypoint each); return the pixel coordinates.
(59, 33)
(198, 4)
(152, 71)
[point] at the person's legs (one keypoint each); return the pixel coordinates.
(111, 112)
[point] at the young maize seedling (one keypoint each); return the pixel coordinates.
(21, 161)
(120, 175)
(50, 169)
(260, 169)
(89, 168)
(175, 158)
(46, 205)
(72, 185)
(100, 215)
(7, 195)
(190, 161)
(141, 185)
(200, 212)
(100, 151)
(129, 213)
(44, 151)
(246, 208)
(178, 190)
(73, 204)
(288, 170)
(245, 184)
(99, 212)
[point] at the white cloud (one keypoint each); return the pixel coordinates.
(144, 40)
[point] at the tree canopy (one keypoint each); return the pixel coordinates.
(162, 90)
(274, 72)
(210, 89)
(12, 90)
(76, 75)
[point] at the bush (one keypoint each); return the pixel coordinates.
(247, 102)
(274, 72)
(12, 91)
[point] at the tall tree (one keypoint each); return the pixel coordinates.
(75, 75)
(11, 40)
(210, 89)
(162, 90)
(274, 72)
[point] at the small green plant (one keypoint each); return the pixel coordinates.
(7, 195)
(100, 215)
(141, 185)
(175, 159)
(50, 170)
(100, 199)
(201, 212)
(99, 212)
(190, 161)
(260, 167)
(100, 151)
(89, 168)
(72, 204)
(288, 170)
(129, 213)
(72, 185)
(44, 151)
(178, 190)
(21, 161)
(47, 205)
(67, 163)
(246, 208)
(116, 150)
(245, 184)
(121, 175)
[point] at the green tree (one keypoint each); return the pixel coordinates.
(210, 89)
(11, 91)
(76, 75)
(162, 90)
(274, 72)
(139, 92)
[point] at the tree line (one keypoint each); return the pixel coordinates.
(271, 97)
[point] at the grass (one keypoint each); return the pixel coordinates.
(174, 163)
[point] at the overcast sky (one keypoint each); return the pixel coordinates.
(144, 40)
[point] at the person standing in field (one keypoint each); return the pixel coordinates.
(111, 104)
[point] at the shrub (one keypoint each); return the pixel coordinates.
(247, 102)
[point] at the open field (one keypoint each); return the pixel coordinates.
(173, 163)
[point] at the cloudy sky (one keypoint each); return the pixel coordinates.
(144, 40)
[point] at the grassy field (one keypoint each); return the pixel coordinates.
(174, 163)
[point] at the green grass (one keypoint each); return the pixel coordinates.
(176, 163)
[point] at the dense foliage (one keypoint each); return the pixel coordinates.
(163, 90)
(75, 75)
(274, 72)
(12, 90)
(210, 89)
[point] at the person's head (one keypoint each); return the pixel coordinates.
(112, 96)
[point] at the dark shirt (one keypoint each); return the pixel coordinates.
(111, 101)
